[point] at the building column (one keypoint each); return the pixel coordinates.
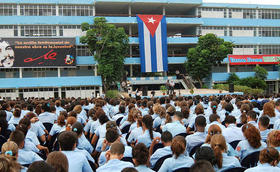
(17, 92)
(59, 92)
(129, 10)
(20, 72)
(58, 72)
(131, 71)
(228, 67)
(56, 10)
(100, 90)
(95, 70)
(18, 10)
(163, 10)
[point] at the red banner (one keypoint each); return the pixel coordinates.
(253, 59)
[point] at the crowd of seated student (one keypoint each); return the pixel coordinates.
(215, 133)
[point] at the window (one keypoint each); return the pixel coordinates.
(269, 14)
(269, 32)
(35, 30)
(75, 10)
(249, 13)
(8, 10)
(269, 49)
(37, 10)
(83, 51)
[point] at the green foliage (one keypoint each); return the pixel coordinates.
(233, 78)
(112, 94)
(191, 91)
(163, 89)
(253, 82)
(210, 51)
(109, 45)
(239, 88)
(260, 73)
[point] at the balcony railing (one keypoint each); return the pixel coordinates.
(134, 15)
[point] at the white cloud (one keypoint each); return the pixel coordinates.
(269, 2)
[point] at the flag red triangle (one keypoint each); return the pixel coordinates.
(151, 22)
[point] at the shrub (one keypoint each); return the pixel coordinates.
(253, 82)
(260, 73)
(112, 94)
(239, 88)
(233, 78)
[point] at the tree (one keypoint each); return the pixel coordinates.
(233, 78)
(109, 45)
(260, 73)
(209, 52)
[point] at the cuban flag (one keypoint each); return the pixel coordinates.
(153, 43)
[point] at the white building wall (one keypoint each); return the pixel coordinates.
(243, 51)
(238, 15)
(9, 95)
(217, 32)
(6, 33)
(249, 33)
(72, 32)
(212, 14)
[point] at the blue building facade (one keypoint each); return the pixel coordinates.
(254, 29)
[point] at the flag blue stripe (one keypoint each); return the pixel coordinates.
(141, 43)
(164, 44)
(153, 53)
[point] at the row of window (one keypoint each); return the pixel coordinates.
(262, 31)
(245, 13)
(261, 49)
(46, 10)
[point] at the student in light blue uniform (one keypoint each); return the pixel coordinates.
(100, 130)
(120, 114)
(175, 127)
(148, 134)
(252, 143)
(252, 118)
(215, 129)
(179, 159)
(7, 109)
(160, 117)
(77, 160)
(58, 107)
(24, 157)
(15, 118)
(114, 156)
(268, 160)
(46, 116)
(140, 155)
(112, 136)
(232, 132)
(166, 140)
(214, 119)
(87, 127)
(56, 128)
(199, 111)
(223, 161)
(199, 136)
(83, 143)
(81, 114)
(263, 125)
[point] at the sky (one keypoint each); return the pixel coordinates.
(270, 2)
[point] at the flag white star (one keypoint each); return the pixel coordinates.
(151, 20)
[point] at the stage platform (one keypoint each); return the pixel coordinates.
(201, 92)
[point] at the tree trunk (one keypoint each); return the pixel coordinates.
(200, 82)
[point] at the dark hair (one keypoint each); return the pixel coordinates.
(140, 153)
(41, 166)
(17, 136)
(112, 135)
(122, 109)
(23, 128)
(61, 119)
(214, 107)
(162, 100)
(166, 137)
(77, 127)
(228, 108)
(17, 113)
(46, 107)
(214, 117)
(202, 166)
(179, 114)
(264, 121)
(200, 121)
(129, 169)
(178, 146)
(67, 140)
(117, 148)
(205, 153)
(230, 119)
(252, 114)
(58, 161)
(25, 121)
(3, 126)
(148, 121)
(103, 119)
